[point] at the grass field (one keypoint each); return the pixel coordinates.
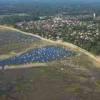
(68, 79)
(14, 41)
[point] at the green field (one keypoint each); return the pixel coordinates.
(60, 80)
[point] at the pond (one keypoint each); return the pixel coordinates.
(41, 55)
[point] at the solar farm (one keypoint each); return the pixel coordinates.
(14, 41)
(63, 72)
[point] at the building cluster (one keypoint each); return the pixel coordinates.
(61, 27)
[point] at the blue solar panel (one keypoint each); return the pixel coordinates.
(41, 55)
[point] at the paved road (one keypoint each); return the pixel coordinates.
(24, 66)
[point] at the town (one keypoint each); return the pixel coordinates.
(81, 30)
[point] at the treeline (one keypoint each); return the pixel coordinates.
(12, 20)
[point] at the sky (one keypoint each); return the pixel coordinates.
(86, 1)
(53, 0)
